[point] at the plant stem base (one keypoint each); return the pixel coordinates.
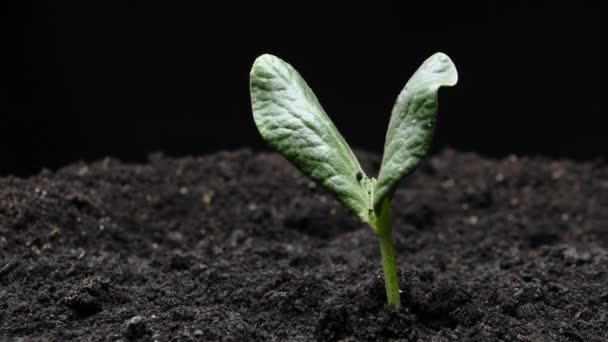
(389, 263)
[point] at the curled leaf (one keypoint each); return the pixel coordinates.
(412, 123)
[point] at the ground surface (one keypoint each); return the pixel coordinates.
(240, 247)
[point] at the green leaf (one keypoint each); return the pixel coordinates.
(290, 118)
(412, 123)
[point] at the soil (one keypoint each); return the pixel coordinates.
(239, 246)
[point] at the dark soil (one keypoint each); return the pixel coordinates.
(240, 246)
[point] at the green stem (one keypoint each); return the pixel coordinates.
(389, 264)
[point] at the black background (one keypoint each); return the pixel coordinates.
(125, 79)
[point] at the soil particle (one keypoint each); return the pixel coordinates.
(135, 328)
(239, 246)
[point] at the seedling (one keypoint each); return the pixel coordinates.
(290, 118)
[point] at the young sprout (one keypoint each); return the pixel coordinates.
(290, 118)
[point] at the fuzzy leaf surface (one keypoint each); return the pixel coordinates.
(290, 118)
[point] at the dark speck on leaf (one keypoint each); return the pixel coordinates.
(359, 176)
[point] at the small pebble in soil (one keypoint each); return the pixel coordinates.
(500, 177)
(207, 198)
(135, 328)
(473, 220)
